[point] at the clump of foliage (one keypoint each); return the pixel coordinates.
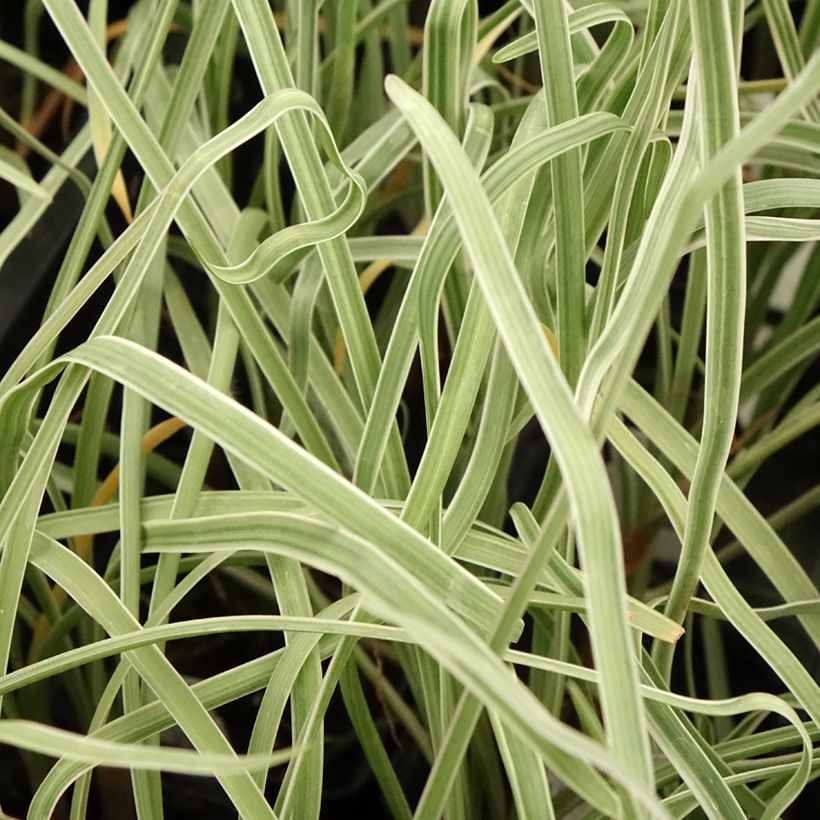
(402, 389)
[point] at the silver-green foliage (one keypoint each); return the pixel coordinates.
(646, 156)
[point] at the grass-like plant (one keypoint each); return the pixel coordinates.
(482, 526)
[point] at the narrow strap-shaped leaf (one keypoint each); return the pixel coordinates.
(726, 275)
(555, 56)
(268, 451)
(549, 393)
